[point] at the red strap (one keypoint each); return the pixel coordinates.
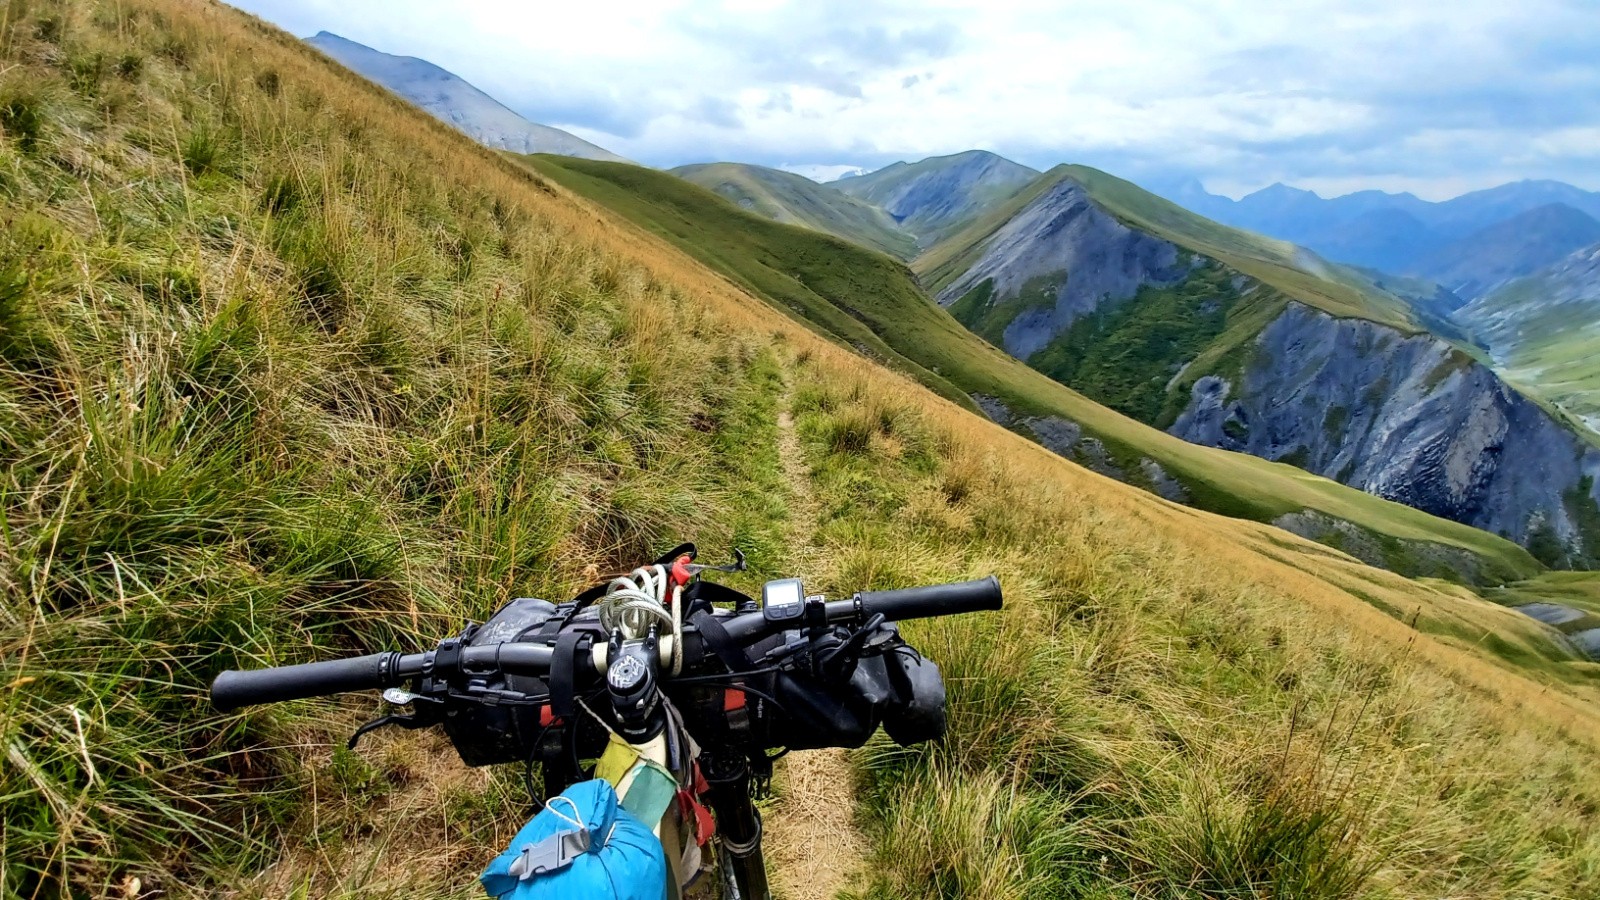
(680, 570)
(695, 813)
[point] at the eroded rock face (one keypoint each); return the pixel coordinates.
(1063, 231)
(1405, 417)
(1162, 483)
(1066, 438)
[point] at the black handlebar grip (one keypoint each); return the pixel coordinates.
(232, 690)
(933, 600)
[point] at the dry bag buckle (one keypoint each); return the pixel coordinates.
(554, 852)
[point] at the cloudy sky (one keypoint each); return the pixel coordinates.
(1333, 95)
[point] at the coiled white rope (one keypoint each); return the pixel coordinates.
(635, 602)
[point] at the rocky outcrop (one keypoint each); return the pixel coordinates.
(1575, 626)
(1067, 438)
(1085, 257)
(1408, 418)
(1408, 557)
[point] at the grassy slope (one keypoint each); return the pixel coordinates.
(1546, 355)
(1559, 365)
(298, 372)
(829, 281)
(817, 276)
(797, 200)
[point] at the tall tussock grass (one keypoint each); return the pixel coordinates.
(278, 386)
(288, 371)
(1158, 714)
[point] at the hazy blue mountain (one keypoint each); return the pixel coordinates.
(1476, 264)
(937, 196)
(1387, 238)
(1376, 229)
(1471, 212)
(450, 98)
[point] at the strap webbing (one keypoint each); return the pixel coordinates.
(564, 673)
(716, 637)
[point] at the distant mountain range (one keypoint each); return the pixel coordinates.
(1475, 265)
(450, 98)
(1524, 225)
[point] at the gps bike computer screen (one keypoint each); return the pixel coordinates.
(782, 600)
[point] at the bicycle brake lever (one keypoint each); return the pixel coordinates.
(738, 565)
(406, 722)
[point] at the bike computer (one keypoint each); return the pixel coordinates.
(783, 600)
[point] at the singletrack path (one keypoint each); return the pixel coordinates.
(814, 850)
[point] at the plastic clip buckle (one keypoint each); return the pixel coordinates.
(554, 852)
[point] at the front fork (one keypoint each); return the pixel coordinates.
(731, 797)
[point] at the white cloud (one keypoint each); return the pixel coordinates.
(1242, 92)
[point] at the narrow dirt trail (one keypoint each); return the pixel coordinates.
(812, 844)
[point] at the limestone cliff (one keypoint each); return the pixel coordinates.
(1408, 418)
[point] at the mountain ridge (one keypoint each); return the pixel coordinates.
(1475, 264)
(796, 200)
(934, 197)
(1327, 225)
(450, 98)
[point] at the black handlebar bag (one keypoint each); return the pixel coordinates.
(491, 735)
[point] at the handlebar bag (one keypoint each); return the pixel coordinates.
(582, 846)
(490, 735)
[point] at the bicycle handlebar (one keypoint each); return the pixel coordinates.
(896, 606)
(233, 689)
(335, 676)
(933, 600)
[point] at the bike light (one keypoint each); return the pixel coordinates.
(783, 600)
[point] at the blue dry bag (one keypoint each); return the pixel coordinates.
(582, 846)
